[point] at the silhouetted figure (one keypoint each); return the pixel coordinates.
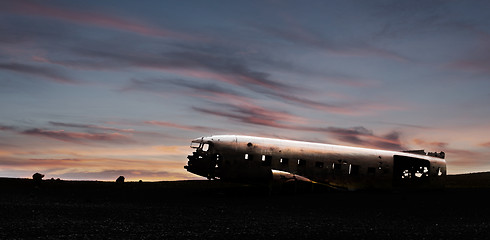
(120, 179)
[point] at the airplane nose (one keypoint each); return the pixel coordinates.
(202, 164)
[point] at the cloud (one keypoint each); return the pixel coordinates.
(485, 144)
(95, 19)
(308, 38)
(467, 158)
(359, 136)
(478, 59)
(90, 127)
(94, 128)
(7, 128)
(327, 107)
(183, 127)
(400, 19)
(362, 136)
(218, 92)
(78, 137)
(40, 71)
(436, 144)
(199, 89)
(208, 65)
(252, 114)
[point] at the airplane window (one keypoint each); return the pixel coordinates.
(301, 162)
(319, 164)
(205, 147)
(249, 156)
(337, 166)
(353, 169)
(284, 161)
(266, 160)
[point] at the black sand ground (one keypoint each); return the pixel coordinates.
(214, 210)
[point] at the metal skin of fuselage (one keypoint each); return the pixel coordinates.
(265, 160)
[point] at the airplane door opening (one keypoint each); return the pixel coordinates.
(410, 172)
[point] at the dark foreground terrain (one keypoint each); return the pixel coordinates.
(215, 210)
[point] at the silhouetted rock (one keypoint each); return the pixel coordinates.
(37, 177)
(120, 179)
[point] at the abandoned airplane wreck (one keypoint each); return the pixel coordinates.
(260, 160)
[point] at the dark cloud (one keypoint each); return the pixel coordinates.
(193, 59)
(311, 39)
(214, 88)
(92, 18)
(406, 18)
(251, 114)
(89, 127)
(210, 65)
(183, 127)
(219, 91)
(172, 85)
(96, 128)
(38, 71)
(477, 60)
(404, 125)
(351, 135)
(78, 137)
(362, 136)
(7, 128)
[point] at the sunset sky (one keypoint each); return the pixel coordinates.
(97, 89)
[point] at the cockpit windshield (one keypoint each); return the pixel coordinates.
(198, 144)
(195, 144)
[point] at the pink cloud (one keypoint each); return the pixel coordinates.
(436, 144)
(465, 158)
(77, 137)
(97, 19)
(485, 144)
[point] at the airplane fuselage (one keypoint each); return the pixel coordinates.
(261, 160)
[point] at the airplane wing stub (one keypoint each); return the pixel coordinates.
(283, 176)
